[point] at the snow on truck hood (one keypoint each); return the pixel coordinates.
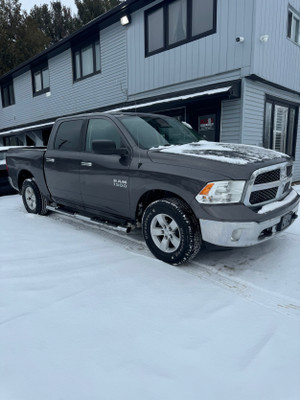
(224, 152)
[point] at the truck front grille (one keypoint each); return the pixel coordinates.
(268, 184)
(260, 196)
(265, 177)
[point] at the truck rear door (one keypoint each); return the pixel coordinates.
(63, 162)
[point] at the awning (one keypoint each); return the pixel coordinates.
(27, 128)
(209, 92)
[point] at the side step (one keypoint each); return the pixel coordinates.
(94, 221)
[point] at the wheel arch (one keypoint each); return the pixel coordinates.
(23, 175)
(152, 195)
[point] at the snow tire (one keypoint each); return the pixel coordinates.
(171, 231)
(34, 201)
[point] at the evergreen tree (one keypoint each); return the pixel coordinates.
(90, 9)
(10, 21)
(56, 21)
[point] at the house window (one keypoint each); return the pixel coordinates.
(294, 26)
(7, 92)
(40, 80)
(86, 60)
(280, 126)
(174, 22)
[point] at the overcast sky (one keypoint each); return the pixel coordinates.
(28, 4)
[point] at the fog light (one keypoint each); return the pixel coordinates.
(236, 235)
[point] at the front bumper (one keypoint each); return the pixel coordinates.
(244, 234)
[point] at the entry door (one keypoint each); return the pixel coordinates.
(104, 178)
(207, 127)
(62, 164)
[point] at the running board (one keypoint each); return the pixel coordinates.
(125, 229)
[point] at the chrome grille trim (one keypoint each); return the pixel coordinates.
(282, 185)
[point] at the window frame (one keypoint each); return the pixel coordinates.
(189, 37)
(289, 142)
(9, 86)
(40, 70)
(79, 48)
(295, 15)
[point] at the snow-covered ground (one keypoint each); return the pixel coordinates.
(88, 314)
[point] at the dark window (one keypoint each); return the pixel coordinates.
(175, 22)
(102, 129)
(280, 126)
(86, 59)
(12, 141)
(40, 80)
(68, 136)
(155, 32)
(7, 92)
(293, 30)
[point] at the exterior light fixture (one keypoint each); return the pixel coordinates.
(125, 20)
(264, 38)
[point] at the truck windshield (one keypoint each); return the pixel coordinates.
(154, 131)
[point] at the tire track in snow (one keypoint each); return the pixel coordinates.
(134, 242)
(256, 294)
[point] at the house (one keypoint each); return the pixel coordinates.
(230, 68)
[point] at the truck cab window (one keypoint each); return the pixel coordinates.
(102, 129)
(68, 136)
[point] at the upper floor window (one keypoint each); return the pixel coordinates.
(40, 80)
(7, 93)
(175, 22)
(294, 26)
(86, 60)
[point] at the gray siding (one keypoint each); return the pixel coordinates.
(103, 89)
(277, 60)
(211, 55)
(253, 98)
(231, 121)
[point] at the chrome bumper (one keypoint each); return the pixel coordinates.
(243, 234)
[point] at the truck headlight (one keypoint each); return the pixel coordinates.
(221, 192)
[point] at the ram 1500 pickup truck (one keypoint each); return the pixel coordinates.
(154, 172)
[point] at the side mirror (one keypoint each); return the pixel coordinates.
(107, 147)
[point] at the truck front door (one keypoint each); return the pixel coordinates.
(104, 178)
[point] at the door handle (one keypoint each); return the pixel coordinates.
(86, 164)
(48, 159)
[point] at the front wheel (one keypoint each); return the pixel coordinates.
(171, 231)
(33, 200)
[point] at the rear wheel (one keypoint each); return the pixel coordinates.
(33, 200)
(171, 231)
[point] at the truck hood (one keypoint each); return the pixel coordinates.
(237, 161)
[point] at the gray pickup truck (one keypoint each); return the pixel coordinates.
(154, 172)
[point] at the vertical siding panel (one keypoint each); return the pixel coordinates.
(231, 36)
(223, 38)
(231, 111)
